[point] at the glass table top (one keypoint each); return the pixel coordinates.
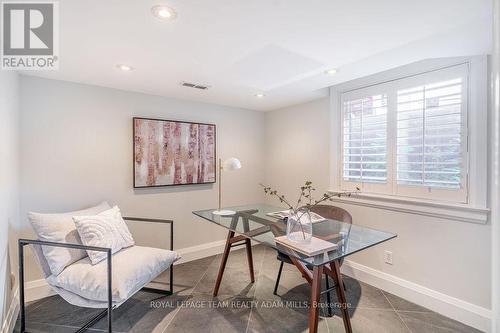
(253, 222)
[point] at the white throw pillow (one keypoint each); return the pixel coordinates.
(106, 229)
(60, 228)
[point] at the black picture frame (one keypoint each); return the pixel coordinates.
(134, 119)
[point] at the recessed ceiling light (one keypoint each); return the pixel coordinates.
(163, 12)
(331, 71)
(260, 95)
(125, 68)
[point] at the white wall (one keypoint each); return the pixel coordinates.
(76, 150)
(297, 146)
(447, 257)
(495, 168)
(9, 208)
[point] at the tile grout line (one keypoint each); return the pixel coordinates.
(256, 286)
(170, 321)
(392, 306)
(412, 311)
(257, 281)
(326, 317)
(69, 326)
(190, 294)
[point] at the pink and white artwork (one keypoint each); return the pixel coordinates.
(173, 153)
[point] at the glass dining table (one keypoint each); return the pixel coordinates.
(252, 222)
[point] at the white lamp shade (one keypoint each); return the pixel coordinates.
(231, 164)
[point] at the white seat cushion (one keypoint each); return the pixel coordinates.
(132, 269)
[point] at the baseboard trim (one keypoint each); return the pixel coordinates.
(467, 313)
(37, 289)
(200, 251)
(11, 317)
(451, 307)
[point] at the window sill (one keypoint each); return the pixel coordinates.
(449, 211)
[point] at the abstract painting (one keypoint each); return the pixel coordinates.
(170, 152)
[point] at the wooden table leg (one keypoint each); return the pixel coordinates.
(315, 301)
(230, 241)
(248, 245)
(227, 248)
(335, 267)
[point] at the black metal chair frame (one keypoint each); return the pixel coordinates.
(284, 258)
(327, 290)
(109, 310)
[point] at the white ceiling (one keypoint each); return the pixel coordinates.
(243, 47)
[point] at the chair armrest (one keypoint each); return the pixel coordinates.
(142, 219)
(23, 242)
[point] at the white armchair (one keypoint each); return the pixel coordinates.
(107, 284)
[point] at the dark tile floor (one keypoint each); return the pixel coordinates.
(242, 306)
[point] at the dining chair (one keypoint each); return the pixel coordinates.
(328, 212)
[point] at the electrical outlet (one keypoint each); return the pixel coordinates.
(388, 257)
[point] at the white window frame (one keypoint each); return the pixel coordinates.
(449, 195)
(474, 122)
(368, 187)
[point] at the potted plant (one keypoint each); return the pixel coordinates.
(299, 222)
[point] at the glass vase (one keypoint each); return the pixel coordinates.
(299, 227)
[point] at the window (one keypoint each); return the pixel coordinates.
(429, 138)
(365, 138)
(408, 137)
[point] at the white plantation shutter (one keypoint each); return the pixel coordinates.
(429, 135)
(365, 139)
(408, 137)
